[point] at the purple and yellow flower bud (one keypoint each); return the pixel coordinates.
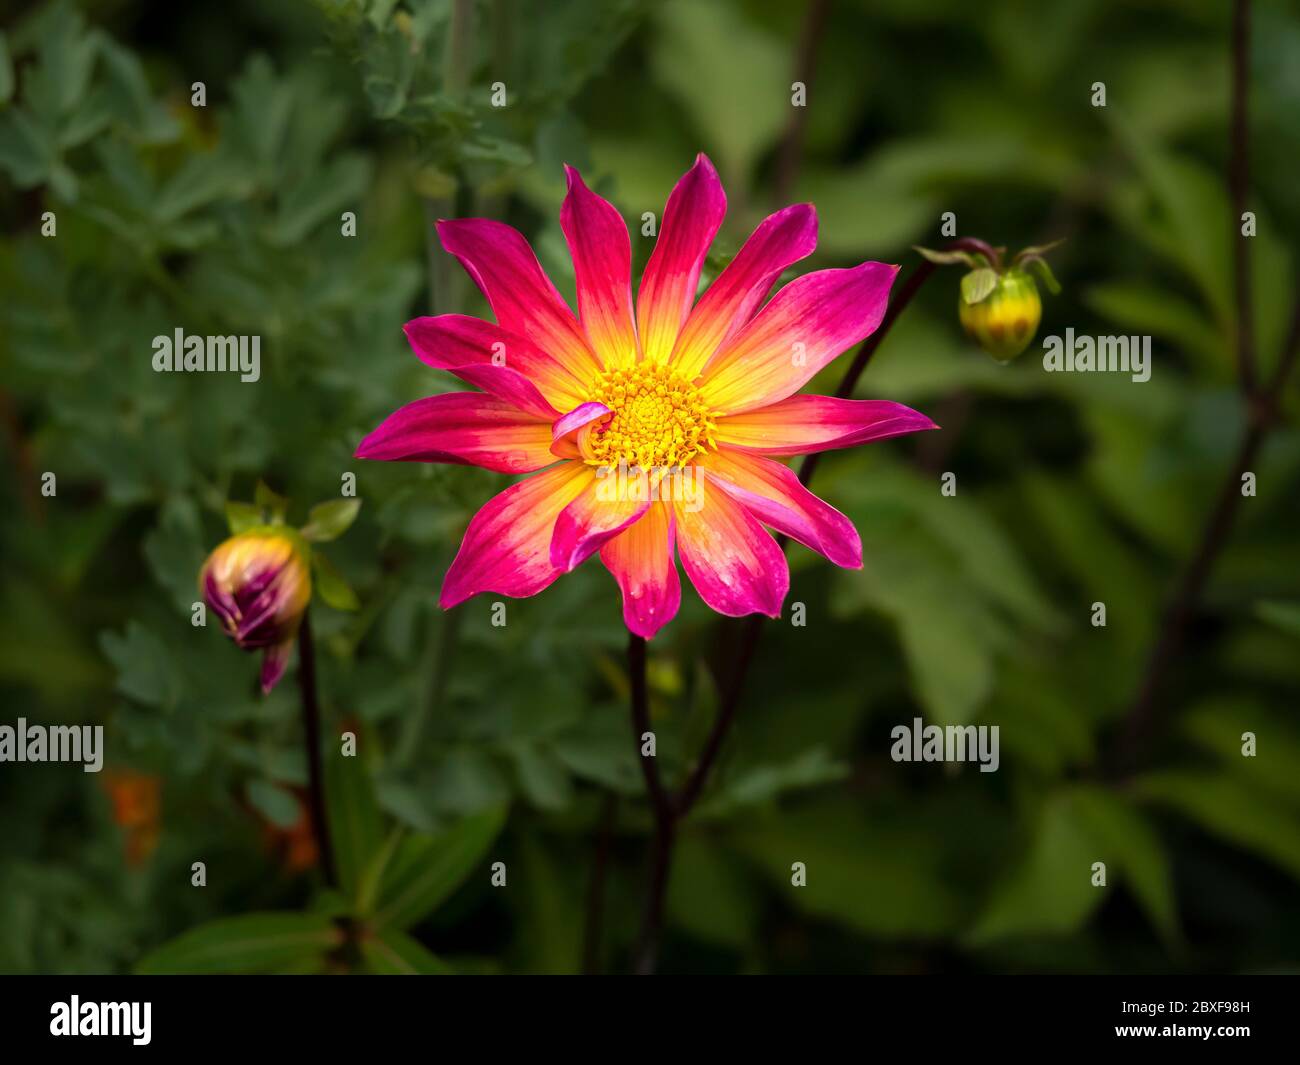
(1005, 321)
(259, 583)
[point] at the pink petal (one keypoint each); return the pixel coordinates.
(507, 547)
(522, 297)
(731, 559)
(503, 363)
(692, 217)
(470, 428)
(808, 323)
(641, 560)
(604, 509)
(275, 660)
(802, 424)
(602, 263)
(783, 238)
(569, 432)
(772, 493)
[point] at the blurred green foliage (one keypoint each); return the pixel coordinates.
(481, 743)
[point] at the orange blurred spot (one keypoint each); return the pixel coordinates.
(295, 846)
(136, 800)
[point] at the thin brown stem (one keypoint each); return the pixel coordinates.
(311, 739)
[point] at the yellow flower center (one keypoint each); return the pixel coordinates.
(657, 419)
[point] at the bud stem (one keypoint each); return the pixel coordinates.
(311, 738)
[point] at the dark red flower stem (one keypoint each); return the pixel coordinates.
(311, 739)
(669, 809)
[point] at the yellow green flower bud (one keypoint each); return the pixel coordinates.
(1004, 321)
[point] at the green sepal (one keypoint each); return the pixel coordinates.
(274, 505)
(241, 517)
(1037, 250)
(1044, 271)
(978, 284)
(950, 258)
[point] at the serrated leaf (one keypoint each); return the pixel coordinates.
(978, 284)
(427, 869)
(328, 521)
(252, 943)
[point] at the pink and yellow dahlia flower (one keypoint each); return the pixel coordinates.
(656, 428)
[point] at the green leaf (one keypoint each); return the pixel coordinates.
(1286, 616)
(710, 896)
(356, 825)
(705, 56)
(329, 521)
(332, 586)
(322, 192)
(1219, 725)
(1050, 892)
(1233, 809)
(427, 869)
(1144, 308)
(146, 671)
(761, 784)
(26, 150)
(252, 943)
(6, 71)
(950, 578)
(978, 284)
(274, 803)
(878, 874)
(551, 913)
(393, 953)
(241, 517)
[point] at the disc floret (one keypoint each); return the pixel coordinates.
(657, 419)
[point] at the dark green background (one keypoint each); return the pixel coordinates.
(1072, 489)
